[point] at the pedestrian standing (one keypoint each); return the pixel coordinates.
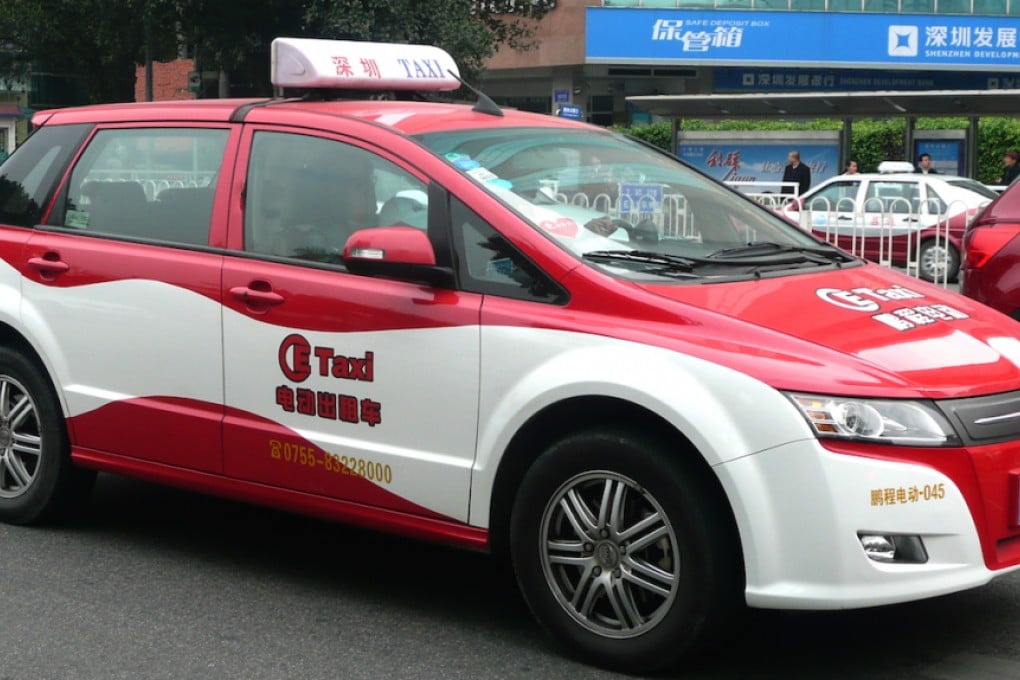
(796, 171)
(924, 165)
(1010, 167)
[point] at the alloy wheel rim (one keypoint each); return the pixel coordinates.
(609, 554)
(20, 439)
(934, 261)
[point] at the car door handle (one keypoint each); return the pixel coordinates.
(49, 265)
(260, 296)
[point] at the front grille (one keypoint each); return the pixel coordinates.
(985, 420)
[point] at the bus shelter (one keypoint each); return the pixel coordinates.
(972, 104)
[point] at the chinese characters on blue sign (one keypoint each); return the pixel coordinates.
(731, 79)
(643, 199)
(896, 41)
(569, 111)
(747, 161)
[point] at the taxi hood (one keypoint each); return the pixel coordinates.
(901, 335)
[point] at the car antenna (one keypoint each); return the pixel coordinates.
(484, 103)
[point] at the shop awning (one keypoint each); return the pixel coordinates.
(11, 111)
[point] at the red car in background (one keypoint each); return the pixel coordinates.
(991, 265)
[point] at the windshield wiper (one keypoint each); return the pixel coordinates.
(675, 262)
(769, 249)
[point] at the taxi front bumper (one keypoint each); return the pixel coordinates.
(802, 507)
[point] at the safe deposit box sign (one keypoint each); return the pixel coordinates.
(896, 41)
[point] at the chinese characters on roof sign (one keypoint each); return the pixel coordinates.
(306, 63)
(898, 41)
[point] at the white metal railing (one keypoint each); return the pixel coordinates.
(917, 237)
(155, 181)
(895, 232)
(670, 216)
(773, 195)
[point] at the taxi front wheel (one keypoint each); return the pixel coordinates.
(37, 480)
(622, 552)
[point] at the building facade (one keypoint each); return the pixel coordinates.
(593, 54)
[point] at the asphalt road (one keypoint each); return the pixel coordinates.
(157, 583)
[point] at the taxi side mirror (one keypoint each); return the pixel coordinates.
(403, 253)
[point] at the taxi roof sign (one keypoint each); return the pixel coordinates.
(342, 64)
(893, 167)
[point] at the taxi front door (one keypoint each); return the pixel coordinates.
(340, 385)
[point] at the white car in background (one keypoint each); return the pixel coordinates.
(888, 216)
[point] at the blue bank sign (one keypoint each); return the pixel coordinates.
(755, 38)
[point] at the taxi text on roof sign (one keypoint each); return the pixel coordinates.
(310, 63)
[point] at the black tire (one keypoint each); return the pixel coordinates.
(697, 551)
(927, 253)
(37, 480)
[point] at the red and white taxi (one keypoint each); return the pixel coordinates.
(895, 216)
(505, 331)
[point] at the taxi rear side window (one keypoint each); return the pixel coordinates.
(27, 178)
(154, 183)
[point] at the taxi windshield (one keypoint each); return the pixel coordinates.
(628, 207)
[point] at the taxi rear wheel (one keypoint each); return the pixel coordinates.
(938, 260)
(621, 551)
(37, 480)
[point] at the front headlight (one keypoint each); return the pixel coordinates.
(885, 421)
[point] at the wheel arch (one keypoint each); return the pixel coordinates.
(14, 339)
(10, 337)
(578, 413)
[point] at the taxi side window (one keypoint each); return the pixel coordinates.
(489, 264)
(29, 175)
(306, 196)
(838, 196)
(154, 183)
(935, 205)
(892, 197)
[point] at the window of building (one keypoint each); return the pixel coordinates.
(989, 7)
(809, 5)
(952, 7)
(845, 5)
(601, 112)
(884, 6)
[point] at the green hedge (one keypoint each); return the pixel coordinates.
(874, 140)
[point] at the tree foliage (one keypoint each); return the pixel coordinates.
(101, 41)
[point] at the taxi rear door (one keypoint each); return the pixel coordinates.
(122, 291)
(352, 387)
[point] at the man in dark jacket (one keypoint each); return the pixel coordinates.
(796, 171)
(924, 165)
